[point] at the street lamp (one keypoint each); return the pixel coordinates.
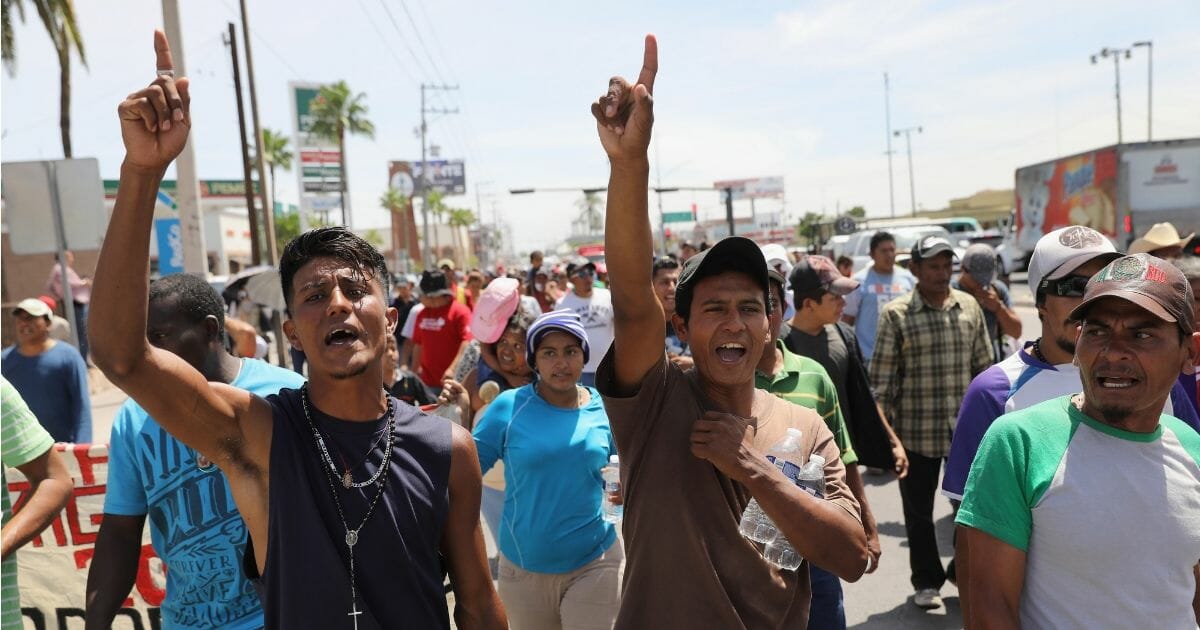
(1149, 86)
(912, 190)
(1115, 53)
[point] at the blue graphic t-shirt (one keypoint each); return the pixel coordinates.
(864, 303)
(194, 525)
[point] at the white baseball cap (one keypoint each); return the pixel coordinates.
(1064, 250)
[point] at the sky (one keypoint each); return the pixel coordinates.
(792, 89)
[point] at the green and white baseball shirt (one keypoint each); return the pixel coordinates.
(1109, 520)
(22, 440)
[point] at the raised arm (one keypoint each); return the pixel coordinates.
(624, 117)
(210, 418)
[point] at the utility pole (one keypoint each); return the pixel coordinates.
(268, 208)
(187, 191)
(1115, 53)
(662, 222)
(424, 180)
(912, 190)
(887, 113)
(483, 247)
(729, 209)
(255, 251)
(1149, 45)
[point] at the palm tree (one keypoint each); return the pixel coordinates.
(337, 111)
(276, 153)
(591, 218)
(398, 204)
(58, 16)
(459, 217)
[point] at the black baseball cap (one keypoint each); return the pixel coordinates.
(434, 283)
(931, 246)
(733, 253)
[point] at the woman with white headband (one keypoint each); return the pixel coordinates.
(559, 559)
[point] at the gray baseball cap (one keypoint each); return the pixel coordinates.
(979, 261)
(1064, 250)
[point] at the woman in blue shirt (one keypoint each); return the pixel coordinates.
(559, 559)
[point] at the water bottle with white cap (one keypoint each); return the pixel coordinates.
(811, 479)
(612, 512)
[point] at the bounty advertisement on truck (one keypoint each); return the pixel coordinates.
(1076, 190)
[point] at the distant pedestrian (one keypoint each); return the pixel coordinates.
(845, 266)
(878, 284)
(560, 560)
(403, 302)
(594, 307)
(26, 446)
(665, 276)
(441, 331)
(1190, 266)
(978, 278)
(60, 328)
(50, 375)
(81, 296)
(931, 343)
(687, 250)
(1162, 240)
(1082, 511)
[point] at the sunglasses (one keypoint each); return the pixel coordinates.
(1070, 286)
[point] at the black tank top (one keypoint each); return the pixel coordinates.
(398, 565)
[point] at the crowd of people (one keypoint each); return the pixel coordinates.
(349, 492)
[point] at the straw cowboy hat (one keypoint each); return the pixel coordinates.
(1159, 236)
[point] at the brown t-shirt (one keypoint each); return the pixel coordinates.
(686, 565)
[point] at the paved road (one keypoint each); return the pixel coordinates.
(880, 600)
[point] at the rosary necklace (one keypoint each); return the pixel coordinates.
(331, 472)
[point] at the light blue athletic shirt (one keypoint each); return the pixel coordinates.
(552, 456)
(194, 525)
(865, 303)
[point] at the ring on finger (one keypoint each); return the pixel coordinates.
(166, 73)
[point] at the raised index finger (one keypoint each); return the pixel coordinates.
(162, 51)
(649, 64)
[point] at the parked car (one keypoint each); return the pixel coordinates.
(858, 246)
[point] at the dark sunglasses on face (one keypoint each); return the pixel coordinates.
(1070, 286)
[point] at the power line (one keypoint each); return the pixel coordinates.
(417, 33)
(237, 16)
(403, 39)
(383, 40)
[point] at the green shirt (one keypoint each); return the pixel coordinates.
(804, 382)
(22, 440)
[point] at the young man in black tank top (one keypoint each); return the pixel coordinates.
(326, 568)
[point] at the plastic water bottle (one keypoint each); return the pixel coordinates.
(811, 479)
(612, 512)
(756, 525)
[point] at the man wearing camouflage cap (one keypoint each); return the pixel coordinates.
(1081, 511)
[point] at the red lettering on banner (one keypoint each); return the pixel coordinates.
(86, 462)
(78, 536)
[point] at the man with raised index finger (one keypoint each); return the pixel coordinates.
(336, 538)
(692, 443)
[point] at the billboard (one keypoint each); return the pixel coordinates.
(320, 169)
(1077, 190)
(1163, 179)
(447, 177)
(754, 188)
(52, 569)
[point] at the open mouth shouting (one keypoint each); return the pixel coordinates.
(1116, 382)
(731, 352)
(341, 336)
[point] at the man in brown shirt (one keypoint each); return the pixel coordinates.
(692, 443)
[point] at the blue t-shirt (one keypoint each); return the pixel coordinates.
(552, 520)
(194, 525)
(865, 303)
(55, 386)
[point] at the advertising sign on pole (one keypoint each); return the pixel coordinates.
(447, 177)
(754, 188)
(319, 173)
